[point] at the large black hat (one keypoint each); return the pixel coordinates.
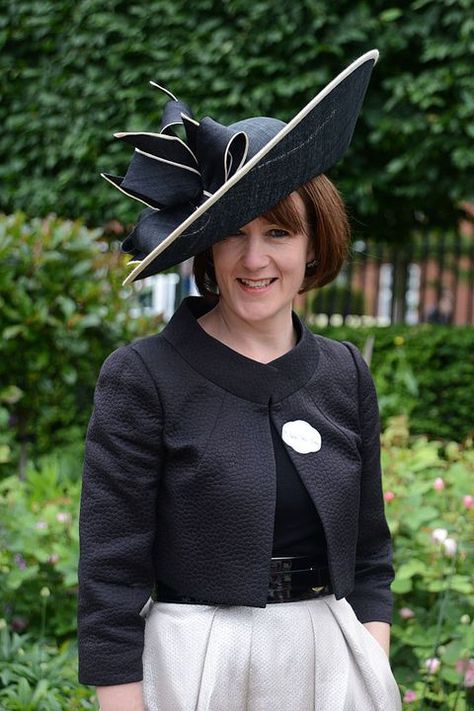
(220, 178)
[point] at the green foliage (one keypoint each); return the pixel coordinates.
(62, 311)
(8, 397)
(425, 372)
(37, 676)
(40, 544)
(75, 72)
(432, 526)
(38, 579)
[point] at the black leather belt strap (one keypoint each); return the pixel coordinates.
(291, 578)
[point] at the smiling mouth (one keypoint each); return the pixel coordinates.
(256, 283)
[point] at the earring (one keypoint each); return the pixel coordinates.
(211, 275)
(309, 271)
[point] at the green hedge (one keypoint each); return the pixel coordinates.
(425, 372)
(74, 72)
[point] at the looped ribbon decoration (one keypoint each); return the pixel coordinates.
(167, 172)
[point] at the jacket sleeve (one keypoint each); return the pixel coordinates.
(371, 597)
(117, 521)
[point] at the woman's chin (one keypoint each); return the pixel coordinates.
(258, 309)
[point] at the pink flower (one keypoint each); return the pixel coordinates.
(409, 696)
(468, 501)
(53, 558)
(389, 496)
(41, 524)
(438, 535)
(469, 675)
(450, 547)
(438, 483)
(406, 614)
(432, 665)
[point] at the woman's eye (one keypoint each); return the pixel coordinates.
(279, 233)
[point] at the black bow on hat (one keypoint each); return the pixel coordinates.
(166, 172)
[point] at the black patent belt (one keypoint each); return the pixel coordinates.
(292, 578)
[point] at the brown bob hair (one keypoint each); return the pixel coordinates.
(328, 227)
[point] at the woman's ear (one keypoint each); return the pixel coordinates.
(310, 251)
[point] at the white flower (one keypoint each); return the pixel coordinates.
(439, 535)
(63, 517)
(450, 547)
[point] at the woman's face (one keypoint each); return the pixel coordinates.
(260, 269)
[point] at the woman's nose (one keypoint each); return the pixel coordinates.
(254, 255)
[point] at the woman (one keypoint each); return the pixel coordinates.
(232, 461)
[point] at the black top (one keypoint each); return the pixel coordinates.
(297, 529)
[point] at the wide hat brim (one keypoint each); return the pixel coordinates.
(310, 144)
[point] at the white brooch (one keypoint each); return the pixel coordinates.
(301, 436)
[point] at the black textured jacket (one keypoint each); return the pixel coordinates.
(179, 481)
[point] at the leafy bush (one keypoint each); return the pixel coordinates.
(38, 579)
(62, 311)
(37, 676)
(40, 548)
(430, 510)
(425, 372)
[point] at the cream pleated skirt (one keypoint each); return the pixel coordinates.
(311, 655)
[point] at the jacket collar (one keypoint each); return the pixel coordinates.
(263, 383)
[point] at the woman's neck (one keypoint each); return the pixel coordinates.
(262, 341)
